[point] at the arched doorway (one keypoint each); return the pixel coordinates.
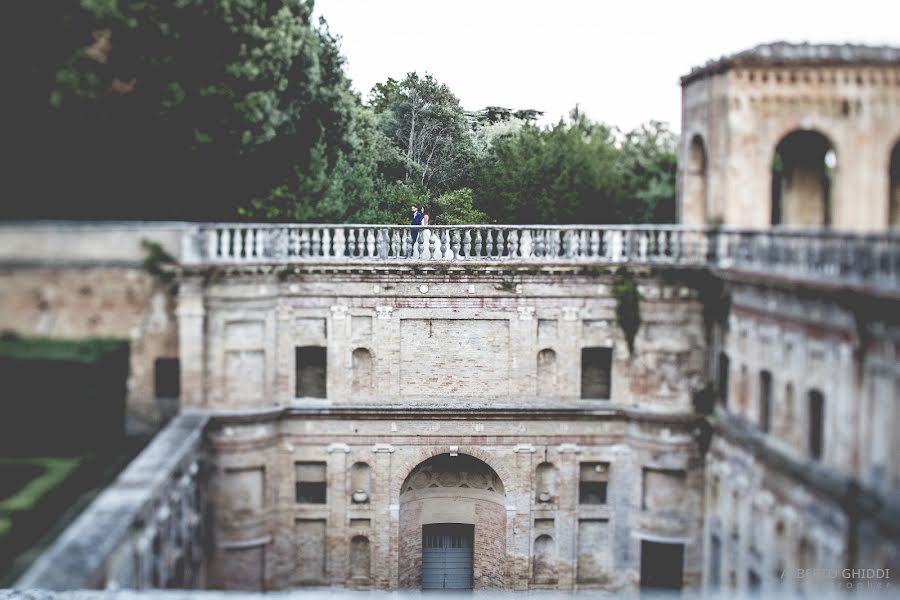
(894, 198)
(694, 200)
(452, 525)
(803, 168)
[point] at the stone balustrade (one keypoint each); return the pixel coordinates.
(255, 243)
(145, 531)
(871, 261)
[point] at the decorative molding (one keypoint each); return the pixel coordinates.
(338, 447)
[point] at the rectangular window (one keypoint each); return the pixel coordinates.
(596, 369)
(715, 562)
(167, 378)
(593, 483)
(765, 401)
(310, 486)
(311, 372)
(724, 366)
(816, 423)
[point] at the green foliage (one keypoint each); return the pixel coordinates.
(628, 305)
(424, 121)
(648, 163)
(55, 471)
(506, 285)
(84, 351)
(455, 208)
(156, 256)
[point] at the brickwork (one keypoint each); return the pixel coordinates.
(734, 117)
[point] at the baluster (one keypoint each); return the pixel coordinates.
(446, 252)
(212, 243)
(247, 246)
(340, 243)
(370, 242)
(489, 243)
(418, 246)
(478, 248)
(304, 243)
(382, 241)
(225, 244)
(537, 243)
(237, 244)
(512, 242)
(360, 242)
(501, 243)
(525, 244)
(316, 245)
(326, 241)
(351, 241)
(467, 244)
(395, 243)
(595, 243)
(424, 244)
(261, 234)
(435, 245)
(455, 245)
(642, 245)
(583, 244)
(617, 245)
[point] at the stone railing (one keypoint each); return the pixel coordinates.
(251, 243)
(146, 530)
(860, 260)
(869, 261)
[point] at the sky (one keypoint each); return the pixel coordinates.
(619, 61)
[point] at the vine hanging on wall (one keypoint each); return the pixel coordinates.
(628, 305)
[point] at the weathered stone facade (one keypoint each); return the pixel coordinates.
(455, 368)
(801, 101)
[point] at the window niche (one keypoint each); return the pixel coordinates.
(361, 372)
(311, 372)
(545, 483)
(310, 486)
(596, 370)
(593, 483)
(360, 483)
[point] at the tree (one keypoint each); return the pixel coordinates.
(425, 122)
(455, 208)
(648, 159)
(566, 173)
(167, 103)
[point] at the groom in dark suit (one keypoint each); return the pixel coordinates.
(416, 220)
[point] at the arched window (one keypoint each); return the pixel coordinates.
(694, 199)
(546, 372)
(803, 168)
(544, 563)
(362, 372)
(894, 191)
(360, 482)
(360, 559)
(545, 482)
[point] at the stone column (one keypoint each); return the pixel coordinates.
(191, 312)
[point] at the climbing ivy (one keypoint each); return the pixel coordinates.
(155, 257)
(628, 309)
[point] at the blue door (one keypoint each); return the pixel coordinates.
(447, 556)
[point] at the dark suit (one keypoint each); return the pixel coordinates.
(416, 220)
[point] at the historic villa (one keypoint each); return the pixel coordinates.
(705, 405)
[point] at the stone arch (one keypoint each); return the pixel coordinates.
(543, 563)
(804, 167)
(406, 465)
(459, 491)
(894, 189)
(362, 381)
(360, 560)
(546, 372)
(694, 185)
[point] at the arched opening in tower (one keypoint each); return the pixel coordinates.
(694, 200)
(803, 173)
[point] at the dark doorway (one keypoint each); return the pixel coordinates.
(662, 566)
(447, 556)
